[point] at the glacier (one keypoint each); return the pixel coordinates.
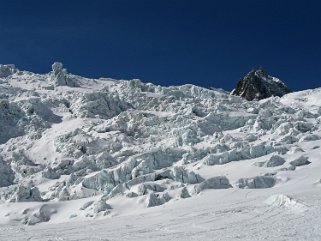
(75, 150)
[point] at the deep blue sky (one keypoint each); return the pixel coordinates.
(167, 42)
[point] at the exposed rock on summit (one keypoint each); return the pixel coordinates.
(257, 85)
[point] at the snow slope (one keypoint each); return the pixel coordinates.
(104, 159)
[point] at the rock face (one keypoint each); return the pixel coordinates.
(257, 85)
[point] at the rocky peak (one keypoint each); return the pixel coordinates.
(257, 85)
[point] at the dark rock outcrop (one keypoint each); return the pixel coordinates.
(257, 85)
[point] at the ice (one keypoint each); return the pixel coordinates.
(311, 137)
(183, 176)
(7, 70)
(43, 214)
(6, 174)
(154, 199)
(26, 193)
(284, 201)
(98, 105)
(213, 183)
(144, 188)
(101, 206)
(73, 147)
(59, 76)
(300, 161)
(184, 193)
(273, 161)
(257, 182)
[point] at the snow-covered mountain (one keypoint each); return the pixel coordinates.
(132, 159)
(258, 85)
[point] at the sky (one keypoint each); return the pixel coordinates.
(166, 42)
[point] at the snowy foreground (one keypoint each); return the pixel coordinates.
(104, 159)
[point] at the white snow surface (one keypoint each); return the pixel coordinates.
(104, 159)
